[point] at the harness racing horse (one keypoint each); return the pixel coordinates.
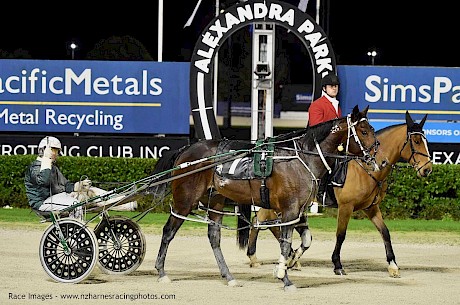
(364, 190)
(292, 183)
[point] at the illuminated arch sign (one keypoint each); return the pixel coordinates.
(233, 19)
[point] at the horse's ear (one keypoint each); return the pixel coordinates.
(355, 113)
(409, 120)
(422, 122)
(364, 112)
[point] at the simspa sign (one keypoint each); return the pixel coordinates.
(390, 91)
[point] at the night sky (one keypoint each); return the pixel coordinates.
(403, 32)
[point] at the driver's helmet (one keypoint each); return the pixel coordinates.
(51, 142)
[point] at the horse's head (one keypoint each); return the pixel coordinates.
(360, 137)
(415, 149)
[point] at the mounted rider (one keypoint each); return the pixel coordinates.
(321, 110)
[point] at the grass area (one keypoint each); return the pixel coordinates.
(322, 226)
(28, 218)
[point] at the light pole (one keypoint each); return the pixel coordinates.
(372, 55)
(73, 46)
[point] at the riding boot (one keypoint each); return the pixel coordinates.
(323, 195)
(329, 198)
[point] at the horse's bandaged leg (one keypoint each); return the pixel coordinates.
(280, 270)
(306, 239)
(305, 244)
(297, 254)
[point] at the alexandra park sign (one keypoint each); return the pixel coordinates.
(234, 18)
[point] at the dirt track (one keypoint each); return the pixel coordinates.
(430, 274)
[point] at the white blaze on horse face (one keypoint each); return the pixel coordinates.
(426, 145)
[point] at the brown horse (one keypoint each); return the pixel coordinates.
(299, 159)
(364, 190)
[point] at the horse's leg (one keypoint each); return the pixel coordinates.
(375, 215)
(306, 238)
(214, 236)
(343, 217)
(252, 245)
(169, 231)
(262, 215)
(280, 270)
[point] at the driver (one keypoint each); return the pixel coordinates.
(48, 190)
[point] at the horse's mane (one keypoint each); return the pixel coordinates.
(385, 129)
(291, 135)
(319, 131)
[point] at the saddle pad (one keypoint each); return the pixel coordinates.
(238, 169)
(248, 167)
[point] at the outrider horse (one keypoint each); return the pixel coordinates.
(299, 160)
(365, 190)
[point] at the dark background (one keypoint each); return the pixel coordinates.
(404, 33)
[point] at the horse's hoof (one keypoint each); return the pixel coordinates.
(394, 273)
(290, 288)
(339, 272)
(164, 279)
(254, 265)
(234, 283)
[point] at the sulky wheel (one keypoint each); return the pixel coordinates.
(121, 245)
(69, 259)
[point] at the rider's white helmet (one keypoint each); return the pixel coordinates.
(51, 142)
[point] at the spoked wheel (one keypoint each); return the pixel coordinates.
(71, 257)
(121, 245)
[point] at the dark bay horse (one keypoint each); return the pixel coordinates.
(292, 183)
(364, 190)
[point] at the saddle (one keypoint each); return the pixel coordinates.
(256, 165)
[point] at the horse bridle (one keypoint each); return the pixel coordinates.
(367, 157)
(413, 150)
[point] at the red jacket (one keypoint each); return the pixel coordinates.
(322, 110)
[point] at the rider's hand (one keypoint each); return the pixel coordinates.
(48, 153)
(46, 159)
(83, 185)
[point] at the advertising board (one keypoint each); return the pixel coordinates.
(391, 91)
(94, 97)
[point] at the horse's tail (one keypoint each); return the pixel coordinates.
(244, 221)
(164, 163)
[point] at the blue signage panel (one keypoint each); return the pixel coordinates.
(390, 91)
(94, 96)
(436, 132)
